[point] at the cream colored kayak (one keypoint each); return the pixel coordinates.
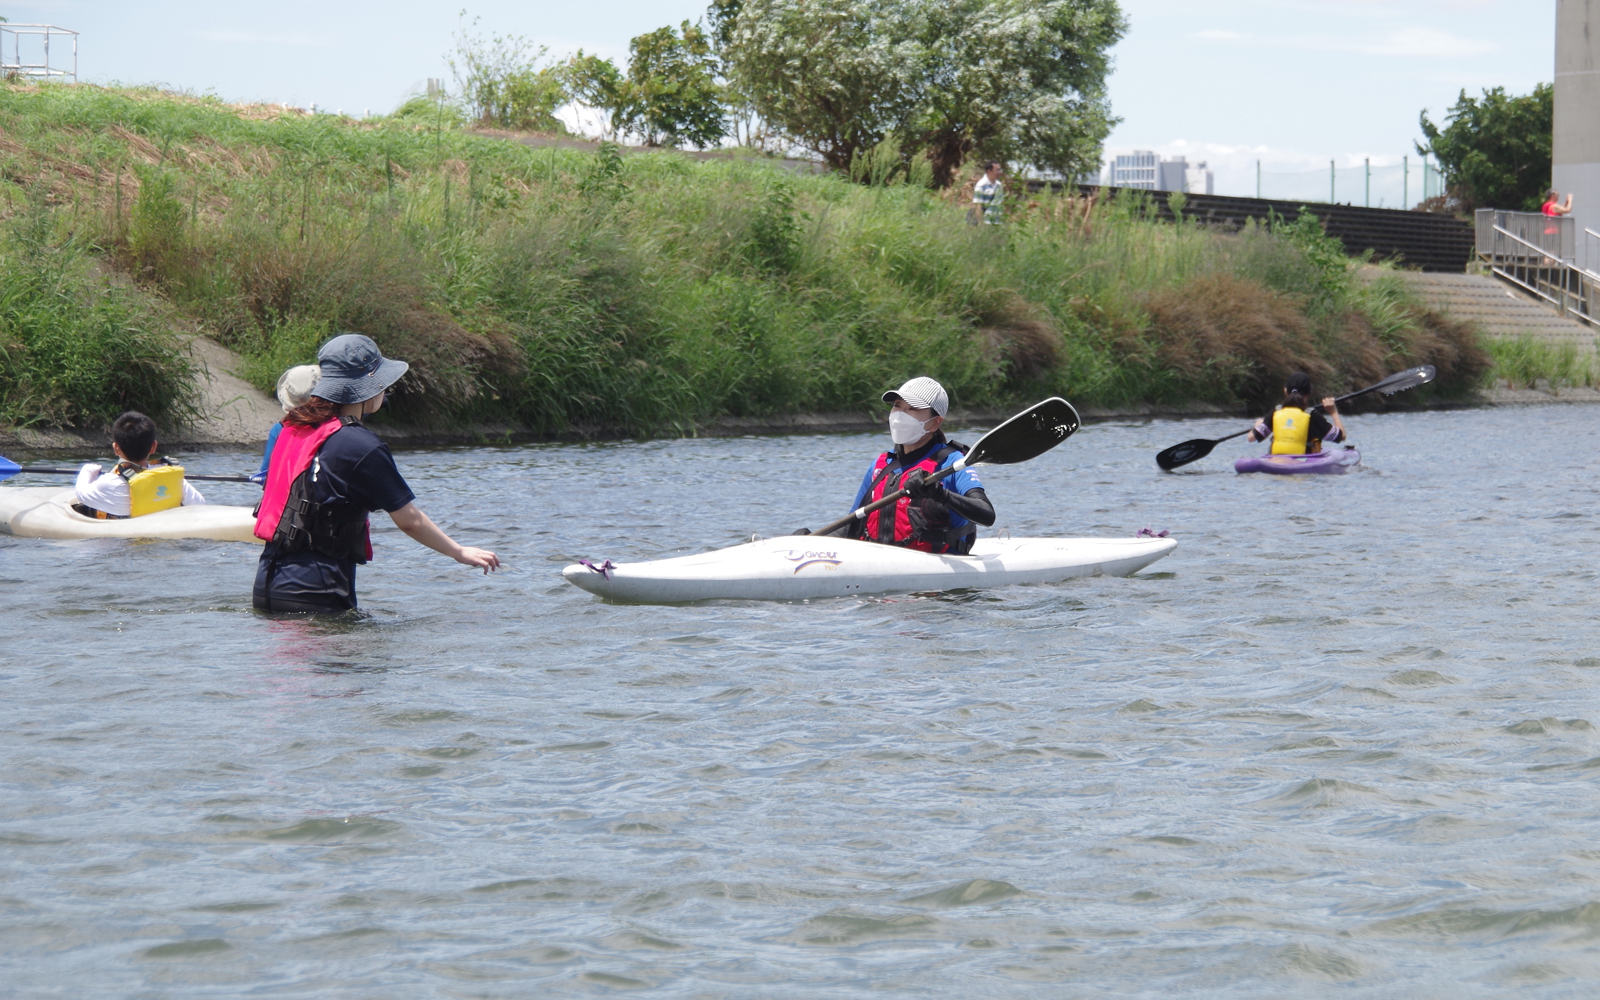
(797, 567)
(46, 512)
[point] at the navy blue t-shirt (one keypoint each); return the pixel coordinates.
(355, 466)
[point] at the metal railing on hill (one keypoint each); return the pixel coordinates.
(1539, 254)
(28, 53)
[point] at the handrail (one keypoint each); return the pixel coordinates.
(1588, 261)
(1516, 268)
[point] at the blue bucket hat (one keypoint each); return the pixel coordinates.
(354, 370)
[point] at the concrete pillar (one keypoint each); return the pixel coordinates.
(1576, 159)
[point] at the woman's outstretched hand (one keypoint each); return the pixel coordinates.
(481, 558)
(411, 520)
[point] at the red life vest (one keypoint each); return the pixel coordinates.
(892, 525)
(292, 454)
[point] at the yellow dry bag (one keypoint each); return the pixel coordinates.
(1290, 428)
(160, 488)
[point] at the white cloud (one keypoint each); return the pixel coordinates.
(258, 38)
(1416, 43)
(1424, 42)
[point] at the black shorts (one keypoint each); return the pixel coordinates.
(304, 581)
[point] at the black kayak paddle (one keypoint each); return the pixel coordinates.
(1190, 451)
(8, 468)
(1027, 435)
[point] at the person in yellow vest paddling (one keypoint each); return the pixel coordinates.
(1293, 428)
(134, 488)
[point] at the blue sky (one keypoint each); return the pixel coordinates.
(1293, 83)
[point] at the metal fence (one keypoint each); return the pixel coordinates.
(1554, 235)
(25, 52)
(1392, 185)
(1538, 254)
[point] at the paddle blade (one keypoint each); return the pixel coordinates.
(8, 468)
(1408, 379)
(1183, 454)
(1027, 435)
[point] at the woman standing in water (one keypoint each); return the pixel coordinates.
(327, 473)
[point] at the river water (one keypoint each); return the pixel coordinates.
(1341, 742)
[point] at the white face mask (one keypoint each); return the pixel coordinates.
(904, 428)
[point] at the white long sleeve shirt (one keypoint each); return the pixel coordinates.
(110, 493)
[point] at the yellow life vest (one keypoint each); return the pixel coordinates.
(1291, 427)
(150, 490)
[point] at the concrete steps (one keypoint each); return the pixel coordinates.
(1497, 308)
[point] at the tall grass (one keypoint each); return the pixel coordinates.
(1524, 363)
(75, 348)
(562, 288)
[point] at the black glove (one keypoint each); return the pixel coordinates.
(801, 531)
(920, 487)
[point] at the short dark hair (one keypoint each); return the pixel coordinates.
(135, 434)
(992, 164)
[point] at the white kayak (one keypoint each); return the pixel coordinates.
(796, 567)
(46, 512)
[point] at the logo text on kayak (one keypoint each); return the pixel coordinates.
(804, 558)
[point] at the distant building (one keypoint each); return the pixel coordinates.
(1137, 169)
(1143, 169)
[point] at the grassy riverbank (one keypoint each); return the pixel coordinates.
(557, 288)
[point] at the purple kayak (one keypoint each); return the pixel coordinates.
(1327, 463)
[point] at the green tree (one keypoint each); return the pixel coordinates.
(1020, 80)
(745, 123)
(501, 86)
(1495, 152)
(671, 94)
(595, 83)
(723, 16)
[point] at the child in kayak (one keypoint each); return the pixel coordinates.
(1293, 429)
(133, 438)
(294, 386)
(940, 515)
(327, 473)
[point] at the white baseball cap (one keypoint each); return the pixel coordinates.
(296, 384)
(921, 393)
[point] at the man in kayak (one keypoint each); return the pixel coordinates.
(328, 472)
(133, 488)
(939, 515)
(1294, 430)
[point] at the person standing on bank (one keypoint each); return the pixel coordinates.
(327, 473)
(940, 515)
(1552, 204)
(988, 193)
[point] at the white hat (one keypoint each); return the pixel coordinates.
(921, 393)
(296, 384)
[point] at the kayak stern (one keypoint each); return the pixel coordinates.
(1325, 463)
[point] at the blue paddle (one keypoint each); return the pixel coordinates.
(8, 468)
